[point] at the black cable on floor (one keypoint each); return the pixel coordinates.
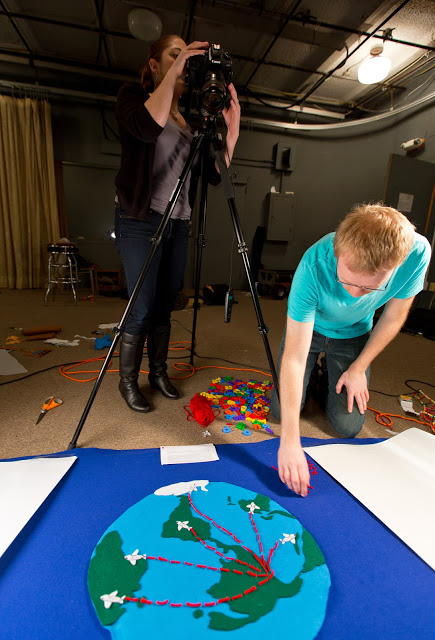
(55, 366)
(419, 382)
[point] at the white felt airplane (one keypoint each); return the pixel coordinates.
(183, 525)
(252, 507)
(110, 598)
(134, 557)
(288, 537)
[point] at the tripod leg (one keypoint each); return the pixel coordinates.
(243, 250)
(200, 238)
(155, 241)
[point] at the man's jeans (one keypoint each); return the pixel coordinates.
(339, 355)
(163, 281)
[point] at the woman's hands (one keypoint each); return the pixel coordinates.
(171, 71)
(232, 114)
(232, 120)
(179, 68)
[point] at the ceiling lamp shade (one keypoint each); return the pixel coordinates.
(374, 69)
(144, 24)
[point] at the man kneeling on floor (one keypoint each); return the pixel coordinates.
(374, 258)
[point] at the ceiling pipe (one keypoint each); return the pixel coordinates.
(340, 125)
(56, 91)
(45, 62)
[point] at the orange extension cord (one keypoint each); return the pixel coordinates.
(178, 366)
(385, 419)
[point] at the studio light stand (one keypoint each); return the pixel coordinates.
(203, 139)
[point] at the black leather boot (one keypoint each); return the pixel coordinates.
(158, 344)
(130, 358)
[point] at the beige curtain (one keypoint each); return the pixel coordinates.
(28, 203)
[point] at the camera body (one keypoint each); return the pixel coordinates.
(209, 76)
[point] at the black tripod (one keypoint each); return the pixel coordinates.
(205, 137)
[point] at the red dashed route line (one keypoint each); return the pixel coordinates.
(218, 526)
(204, 566)
(208, 546)
(268, 575)
(271, 552)
(196, 605)
(260, 545)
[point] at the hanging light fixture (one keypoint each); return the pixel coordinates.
(376, 68)
(144, 25)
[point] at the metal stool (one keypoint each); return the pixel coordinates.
(62, 267)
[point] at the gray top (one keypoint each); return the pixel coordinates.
(172, 149)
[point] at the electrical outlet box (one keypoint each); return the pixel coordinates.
(284, 157)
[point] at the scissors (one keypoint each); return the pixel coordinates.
(50, 403)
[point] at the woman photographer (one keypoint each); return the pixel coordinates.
(155, 143)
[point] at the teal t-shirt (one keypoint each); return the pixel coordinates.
(316, 295)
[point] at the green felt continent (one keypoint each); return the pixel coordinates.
(261, 501)
(257, 603)
(254, 605)
(281, 513)
(182, 513)
(313, 555)
(110, 571)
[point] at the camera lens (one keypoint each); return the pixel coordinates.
(208, 77)
(213, 94)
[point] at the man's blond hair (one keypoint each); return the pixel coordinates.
(374, 237)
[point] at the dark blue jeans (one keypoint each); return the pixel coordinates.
(163, 281)
(339, 354)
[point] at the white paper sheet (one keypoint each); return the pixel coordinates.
(185, 455)
(395, 479)
(24, 485)
(9, 366)
(404, 204)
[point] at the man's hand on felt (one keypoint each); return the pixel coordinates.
(293, 468)
(355, 382)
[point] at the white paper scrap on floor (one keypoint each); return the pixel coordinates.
(395, 479)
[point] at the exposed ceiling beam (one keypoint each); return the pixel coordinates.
(63, 23)
(266, 26)
(358, 32)
(6, 13)
(268, 22)
(99, 9)
(249, 21)
(351, 53)
(275, 38)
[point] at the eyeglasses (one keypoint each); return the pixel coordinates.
(358, 286)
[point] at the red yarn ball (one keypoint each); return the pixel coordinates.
(200, 410)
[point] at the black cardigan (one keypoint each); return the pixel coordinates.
(138, 133)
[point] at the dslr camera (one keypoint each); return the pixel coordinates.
(209, 76)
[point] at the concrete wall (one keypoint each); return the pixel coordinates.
(332, 171)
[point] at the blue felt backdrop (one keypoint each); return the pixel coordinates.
(380, 588)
